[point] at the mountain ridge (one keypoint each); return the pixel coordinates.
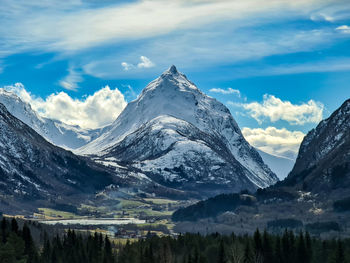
(324, 154)
(32, 169)
(61, 134)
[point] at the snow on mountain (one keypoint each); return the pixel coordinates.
(31, 168)
(58, 133)
(328, 136)
(177, 134)
(324, 155)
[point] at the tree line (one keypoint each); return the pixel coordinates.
(17, 246)
(215, 248)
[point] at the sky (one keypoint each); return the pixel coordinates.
(280, 66)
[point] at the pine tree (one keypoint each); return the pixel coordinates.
(189, 258)
(308, 244)
(302, 256)
(108, 255)
(278, 256)
(14, 225)
(248, 255)
(196, 255)
(46, 253)
(339, 253)
(221, 257)
(267, 248)
(29, 246)
(4, 229)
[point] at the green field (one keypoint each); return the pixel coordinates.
(52, 213)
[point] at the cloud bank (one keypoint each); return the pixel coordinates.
(275, 109)
(93, 111)
(279, 142)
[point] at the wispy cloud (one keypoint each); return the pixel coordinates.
(69, 27)
(93, 111)
(327, 65)
(187, 49)
(226, 91)
(334, 11)
(280, 142)
(70, 82)
(321, 17)
(129, 93)
(344, 29)
(274, 109)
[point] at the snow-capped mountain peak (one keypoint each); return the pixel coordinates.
(169, 82)
(177, 99)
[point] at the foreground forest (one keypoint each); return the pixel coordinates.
(17, 246)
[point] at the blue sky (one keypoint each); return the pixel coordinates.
(280, 66)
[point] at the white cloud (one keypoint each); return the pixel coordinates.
(126, 66)
(275, 109)
(344, 29)
(93, 111)
(226, 91)
(70, 82)
(280, 142)
(145, 63)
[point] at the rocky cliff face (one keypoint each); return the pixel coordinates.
(323, 162)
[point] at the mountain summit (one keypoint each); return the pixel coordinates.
(179, 137)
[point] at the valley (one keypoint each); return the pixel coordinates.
(153, 131)
(154, 163)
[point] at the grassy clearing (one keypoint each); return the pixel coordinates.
(160, 201)
(127, 204)
(150, 212)
(49, 213)
(122, 241)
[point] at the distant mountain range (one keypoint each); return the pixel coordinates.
(172, 140)
(32, 169)
(56, 132)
